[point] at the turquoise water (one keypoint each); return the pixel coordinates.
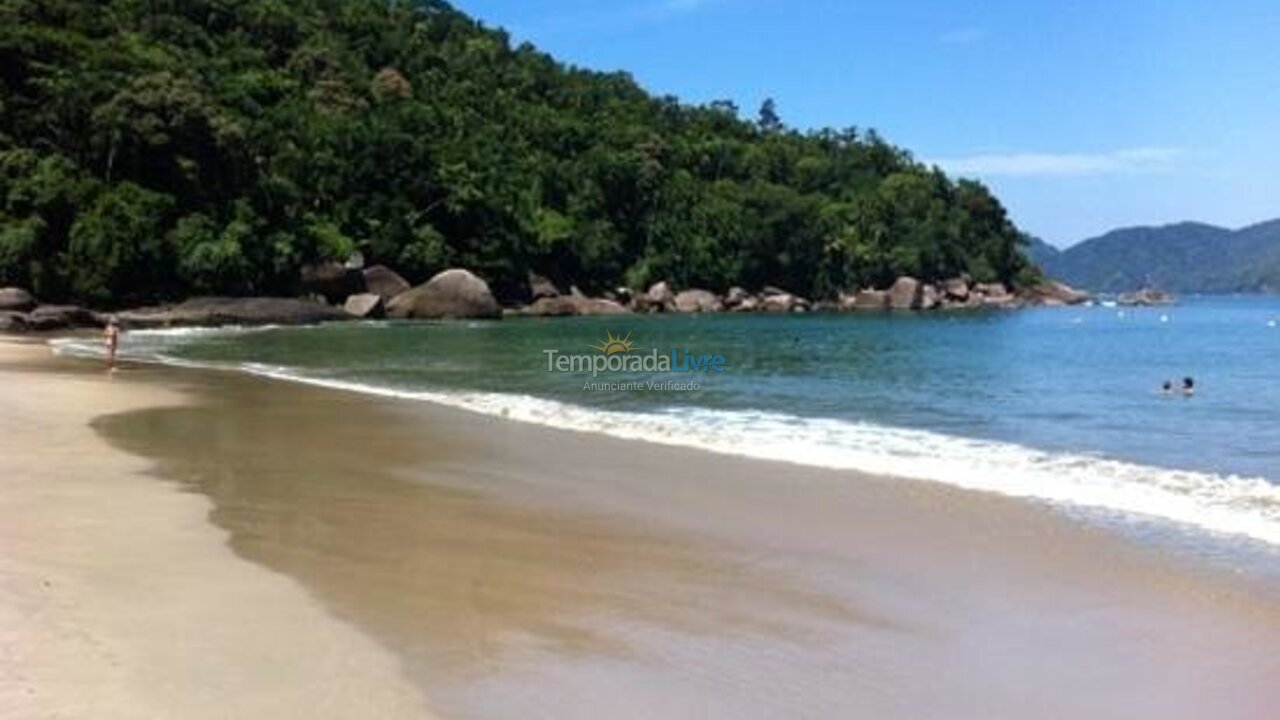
(1058, 404)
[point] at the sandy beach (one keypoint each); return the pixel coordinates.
(195, 544)
(119, 600)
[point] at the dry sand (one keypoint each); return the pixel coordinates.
(119, 600)
(523, 572)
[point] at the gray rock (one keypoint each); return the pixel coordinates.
(658, 298)
(748, 304)
(869, 299)
(569, 305)
(332, 280)
(16, 300)
(1145, 297)
(1052, 292)
(991, 290)
(13, 322)
(956, 289)
(779, 303)
(930, 298)
(541, 287)
(905, 294)
(214, 311)
(697, 301)
(735, 297)
(454, 293)
(365, 306)
(384, 282)
(61, 317)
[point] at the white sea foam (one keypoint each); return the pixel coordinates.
(1219, 503)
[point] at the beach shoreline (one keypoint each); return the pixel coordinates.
(661, 581)
(119, 600)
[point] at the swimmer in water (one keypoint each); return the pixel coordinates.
(1166, 388)
(1188, 386)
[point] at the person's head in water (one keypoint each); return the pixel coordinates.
(1188, 385)
(1166, 386)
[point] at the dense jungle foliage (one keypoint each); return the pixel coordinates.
(152, 149)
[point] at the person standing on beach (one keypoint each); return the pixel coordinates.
(111, 336)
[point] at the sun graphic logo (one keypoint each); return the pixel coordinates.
(615, 345)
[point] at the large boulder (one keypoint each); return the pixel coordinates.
(905, 294)
(12, 322)
(869, 299)
(365, 306)
(780, 302)
(384, 282)
(332, 280)
(697, 301)
(541, 287)
(658, 298)
(749, 303)
(735, 297)
(214, 311)
(61, 317)
(454, 293)
(930, 298)
(13, 299)
(991, 290)
(956, 289)
(573, 305)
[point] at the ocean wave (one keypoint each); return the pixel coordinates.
(1219, 503)
(1228, 504)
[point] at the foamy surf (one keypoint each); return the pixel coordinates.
(1219, 503)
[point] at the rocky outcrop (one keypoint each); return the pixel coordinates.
(333, 281)
(905, 294)
(573, 305)
(13, 299)
(930, 298)
(735, 297)
(1144, 298)
(213, 311)
(658, 298)
(13, 322)
(541, 287)
(869, 299)
(62, 317)
(697, 301)
(384, 282)
(1053, 293)
(366, 306)
(955, 290)
(781, 302)
(454, 293)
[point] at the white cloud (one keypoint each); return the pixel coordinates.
(1043, 164)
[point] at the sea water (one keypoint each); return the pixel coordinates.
(1063, 405)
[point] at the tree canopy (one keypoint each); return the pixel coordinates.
(151, 149)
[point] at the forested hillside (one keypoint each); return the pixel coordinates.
(1183, 258)
(152, 149)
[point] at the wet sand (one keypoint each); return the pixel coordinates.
(119, 600)
(520, 572)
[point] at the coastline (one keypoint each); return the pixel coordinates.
(119, 600)
(654, 579)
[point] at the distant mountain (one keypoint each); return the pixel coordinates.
(1184, 258)
(1039, 251)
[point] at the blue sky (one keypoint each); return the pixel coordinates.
(1083, 116)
